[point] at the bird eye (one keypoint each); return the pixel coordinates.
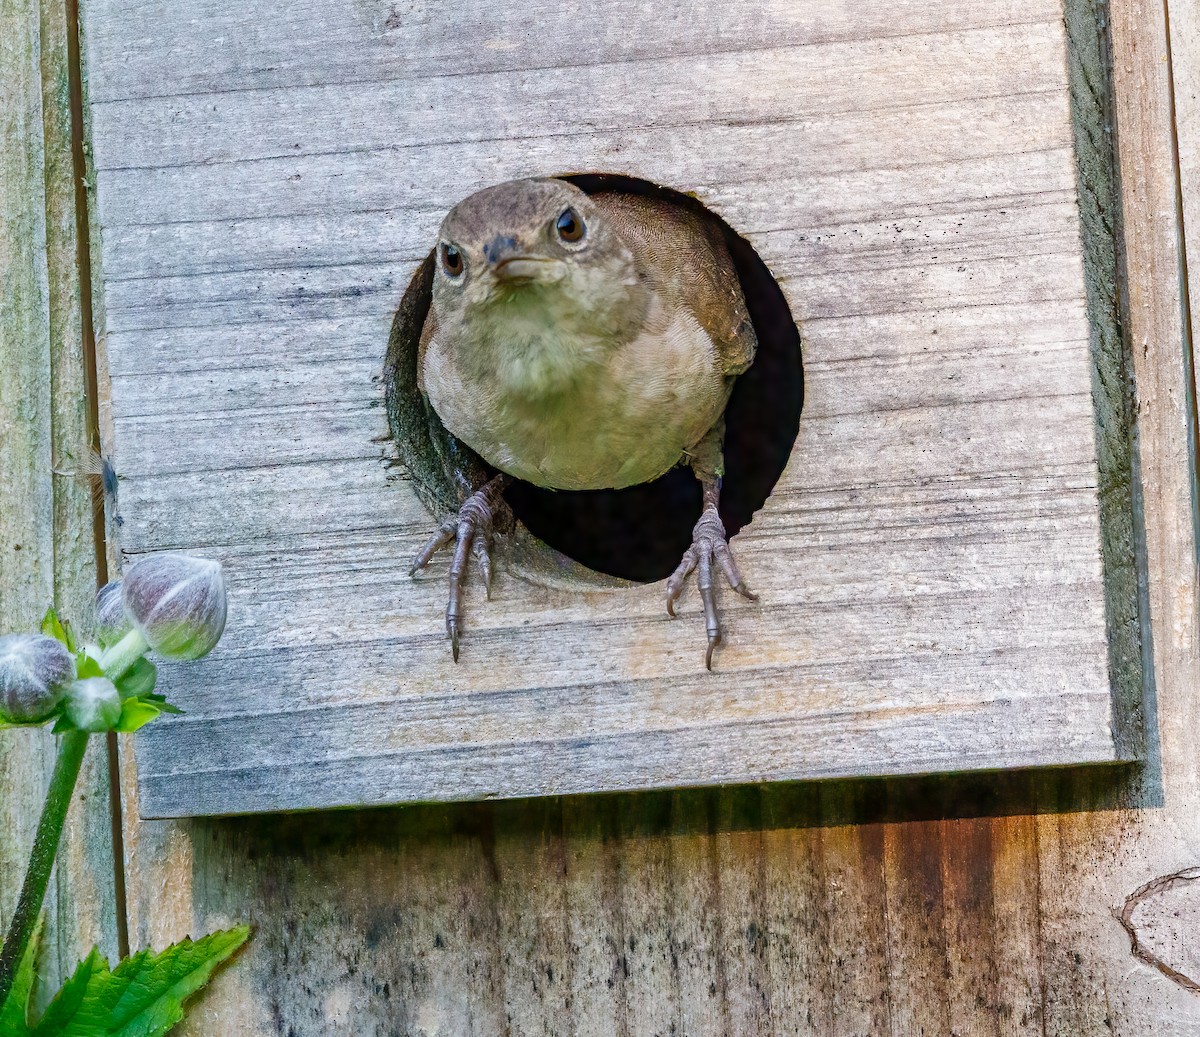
(570, 227)
(452, 260)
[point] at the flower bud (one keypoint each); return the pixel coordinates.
(93, 704)
(34, 669)
(177, 602)
(111, 622)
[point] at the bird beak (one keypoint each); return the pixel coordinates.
(524, 268)
(511, 264)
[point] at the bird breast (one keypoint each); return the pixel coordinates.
(626, 416)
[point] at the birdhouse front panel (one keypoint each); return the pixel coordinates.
(941, 578)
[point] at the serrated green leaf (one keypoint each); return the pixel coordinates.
(72, 995)
(87, 666)
(161, 702)
(143, 996)
(139, 680)
(136, 714)
(53, 627)
(14, 1012)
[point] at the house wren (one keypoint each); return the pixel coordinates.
(583, 341)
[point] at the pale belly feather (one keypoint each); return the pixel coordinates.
(623, 421)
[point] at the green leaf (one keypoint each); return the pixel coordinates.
(136, 714)
(143, 996)
(53, 627)
(70, 998)
(14, 1011)
(138, 681)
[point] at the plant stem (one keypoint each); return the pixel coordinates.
(41, 861)
(115, 661)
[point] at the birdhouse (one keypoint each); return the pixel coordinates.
(918, 201)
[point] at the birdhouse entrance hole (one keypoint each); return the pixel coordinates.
(639, 533)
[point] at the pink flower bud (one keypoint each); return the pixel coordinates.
(177, 602)
(93, 704)
(111, 622)
(33, 671)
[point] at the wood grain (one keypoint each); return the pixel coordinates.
(859, 921)
(831, 908)
(912, 185)
(46, 547)
(518, 916)
(1185, 96)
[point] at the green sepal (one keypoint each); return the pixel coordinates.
(54, 627)
(138, 681)
(143, 996)
(61, 724)
(161, 702)
(14, 1013)
(87, 665)
(135, 714)
(5, 725)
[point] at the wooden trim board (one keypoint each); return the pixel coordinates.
(946, 565)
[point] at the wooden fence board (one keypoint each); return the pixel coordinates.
(47, 553)
(417, 920)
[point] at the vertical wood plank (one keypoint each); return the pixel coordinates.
(1091, 858)
(531, 859)
(26, 521)
(740, 850)
(1184, 29)
(699, 982)
(972, 975)
(650, 988)
(854, 898)
(46, 547)
(798, 955)
(593, 889)
(1015, 906)
(916, 924)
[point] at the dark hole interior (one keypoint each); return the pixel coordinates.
(641, 532)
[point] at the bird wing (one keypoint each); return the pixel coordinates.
(687, 253)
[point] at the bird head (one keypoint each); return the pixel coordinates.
(533, 255)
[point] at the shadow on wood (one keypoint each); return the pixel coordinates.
(696, 811)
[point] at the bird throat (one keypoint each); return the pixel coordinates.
(539, 341)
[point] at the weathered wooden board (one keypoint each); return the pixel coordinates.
(47, 553)
(718, 913)
(932, 564)
(755, 911)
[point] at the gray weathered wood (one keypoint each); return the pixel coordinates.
(930, 565)
(46, 547)
(699, 911)
(1185, 65)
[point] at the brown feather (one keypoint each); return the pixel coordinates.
(678, 247)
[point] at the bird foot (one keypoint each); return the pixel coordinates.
(709, 545)
(471, 530)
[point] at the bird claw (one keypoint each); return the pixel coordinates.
(709, 546)
(471, 532)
